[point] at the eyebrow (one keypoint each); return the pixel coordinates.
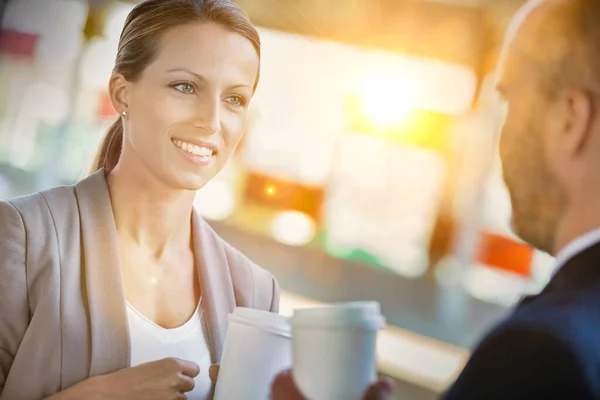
(203, 79)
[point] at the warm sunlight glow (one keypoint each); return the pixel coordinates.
(388, 100)
(270, 190)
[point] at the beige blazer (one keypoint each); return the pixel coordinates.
(62, 308)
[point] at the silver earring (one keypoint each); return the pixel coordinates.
(124, 113)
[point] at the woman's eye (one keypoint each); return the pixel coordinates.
(237, 101)
(186, 88)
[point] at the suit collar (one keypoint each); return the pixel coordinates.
(580, 271)
(575, 247)
(215, 282)
(110, 347)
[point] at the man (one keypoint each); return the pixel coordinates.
(549, 76)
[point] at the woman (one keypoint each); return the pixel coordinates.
(115, 288)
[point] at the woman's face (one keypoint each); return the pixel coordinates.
(187, 111)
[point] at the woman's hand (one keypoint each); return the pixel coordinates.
(169, 378)
(284, 388)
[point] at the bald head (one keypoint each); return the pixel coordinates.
(561, 40)
(549, 76)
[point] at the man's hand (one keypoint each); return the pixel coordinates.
(284, 388)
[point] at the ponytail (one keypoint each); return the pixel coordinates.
(110, 149)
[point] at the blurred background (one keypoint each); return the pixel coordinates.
(369, 170)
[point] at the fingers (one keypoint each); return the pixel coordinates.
(188, 368)
(184, 370)
(380, 390)
(213, 373)
(186, 384)
(284, 388)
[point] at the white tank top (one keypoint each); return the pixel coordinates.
(151, 342)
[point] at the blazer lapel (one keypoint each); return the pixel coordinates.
(110, 344)
(102, 276)
(579, 272)
(218, 298)
(526, 300)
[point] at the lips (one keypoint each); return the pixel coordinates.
(197, 150)
(199, 153)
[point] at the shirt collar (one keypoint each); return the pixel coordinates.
(575, 247)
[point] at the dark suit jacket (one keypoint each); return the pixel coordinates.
(549, 348)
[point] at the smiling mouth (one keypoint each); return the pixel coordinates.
(194, 149)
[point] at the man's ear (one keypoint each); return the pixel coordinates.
(577, 122)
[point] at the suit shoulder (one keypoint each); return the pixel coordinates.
(12, 226)
(37, 201)
(571, 318)
(523, 361)
(522, 331)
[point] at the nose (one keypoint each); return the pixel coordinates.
(208, 119)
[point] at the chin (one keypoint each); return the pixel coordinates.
(529, 232)
(191, 184)
(189, 177)
(191, 181)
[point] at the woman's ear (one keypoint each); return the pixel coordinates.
(118, 89)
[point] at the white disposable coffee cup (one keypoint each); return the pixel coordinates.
(334, 349)
(257, 347)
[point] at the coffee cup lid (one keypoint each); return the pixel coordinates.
(366, 314)
(268, 321)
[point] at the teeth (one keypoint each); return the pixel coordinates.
(194, 149)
